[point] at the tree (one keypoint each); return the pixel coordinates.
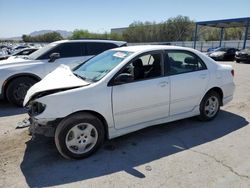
(47, 37)
(179, 28)
(235, 33)
(80, 34)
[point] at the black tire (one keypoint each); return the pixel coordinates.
(204, 113)
(63, 131)
(237, 61)
(17, 90)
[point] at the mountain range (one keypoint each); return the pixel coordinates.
(63, 33)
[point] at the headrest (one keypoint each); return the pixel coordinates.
(191, 60)
(137, 63)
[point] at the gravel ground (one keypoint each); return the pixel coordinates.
(186, 153)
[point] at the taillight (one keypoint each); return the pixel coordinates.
(232, 72)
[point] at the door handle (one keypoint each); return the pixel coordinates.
(163, 83)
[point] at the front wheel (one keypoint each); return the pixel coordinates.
(79, 136)
(210, 106)
(17, 90)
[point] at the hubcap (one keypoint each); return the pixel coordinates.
(81, 138)
(211, 106)
(21, 90)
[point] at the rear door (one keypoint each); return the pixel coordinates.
(189, 78)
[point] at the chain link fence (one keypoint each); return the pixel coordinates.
(202, 45)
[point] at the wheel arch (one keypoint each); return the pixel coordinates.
(219, 91)
(13, 77)
(99, 116)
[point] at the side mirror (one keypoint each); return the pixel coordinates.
(123, 78)
(53, 57)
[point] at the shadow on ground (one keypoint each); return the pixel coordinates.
(42, 166)
(7, 109)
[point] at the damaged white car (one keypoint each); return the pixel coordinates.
(123, 90)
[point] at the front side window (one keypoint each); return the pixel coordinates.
(69, 50)
(100, 65)
(183, 62)
(42, 51)
(65, 50)
(145, 67)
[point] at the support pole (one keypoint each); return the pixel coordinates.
(195, 35)
(246, 35)
(221, 35)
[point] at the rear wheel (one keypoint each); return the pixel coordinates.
(79, 136)
(210, 106)
(237, 61)
(17, 90)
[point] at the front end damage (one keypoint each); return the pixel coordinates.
(60, 80)
(44, 127)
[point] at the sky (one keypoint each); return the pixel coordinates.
(18, 17)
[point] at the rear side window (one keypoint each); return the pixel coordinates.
(98, 47)
(183, 62)
(66, 50)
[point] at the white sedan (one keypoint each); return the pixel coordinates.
(124, 90)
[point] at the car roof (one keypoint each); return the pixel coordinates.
(145, 48)
(119, 43)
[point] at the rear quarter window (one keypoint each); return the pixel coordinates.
(97, 48)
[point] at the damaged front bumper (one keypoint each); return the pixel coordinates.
(43, 127)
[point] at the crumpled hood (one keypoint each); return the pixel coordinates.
(61, 78)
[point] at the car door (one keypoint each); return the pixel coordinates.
(71, 54)
(189, 78)
(144, 99)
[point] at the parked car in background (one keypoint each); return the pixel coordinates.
(20, 47)
(3, 53)
(223, 53)
(21, 53)
(243, 55)
(212, 49)
(5, 50)
(123, 90)
(19, 74)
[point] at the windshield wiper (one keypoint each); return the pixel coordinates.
(79, 76)
(83, 78)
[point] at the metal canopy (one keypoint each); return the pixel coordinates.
(236, 22)
(226, 23)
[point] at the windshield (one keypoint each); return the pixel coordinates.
(41, 51)
(100, 65)
(16, 53)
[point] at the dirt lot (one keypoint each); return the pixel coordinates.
(186, 153)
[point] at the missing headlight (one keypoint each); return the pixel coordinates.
(35, 108)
